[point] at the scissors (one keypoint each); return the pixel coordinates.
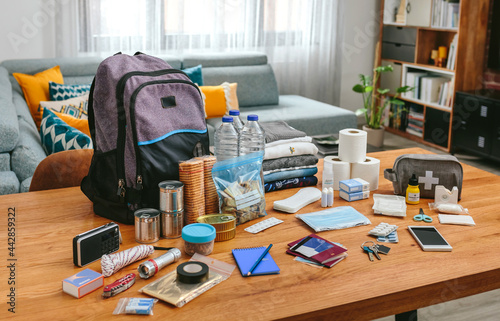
(422, 217)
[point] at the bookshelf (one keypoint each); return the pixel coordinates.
(410, 30)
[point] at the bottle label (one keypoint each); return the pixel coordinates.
(413, 197)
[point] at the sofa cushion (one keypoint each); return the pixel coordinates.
(28, 151)
(256, 84)
(4, 162)
(76, 107)
(25, 185)
(36, 88)
(9, 128)
(219, 100)
(225, 59)
(60, 92)
(195, 74)
(57, 136)
(311, 116)
(10, 183)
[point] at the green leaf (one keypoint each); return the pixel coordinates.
(404, 89)
(365, 80)
(397, 102)
(368, 89)
(383, 91)
(361, 111)
(383, 68)
(358, 88)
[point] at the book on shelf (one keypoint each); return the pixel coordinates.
(430, 88)
(452, 53)
(412, 80)
(412, 131)
(398, 117)
(445, 13)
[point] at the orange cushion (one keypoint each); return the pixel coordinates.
(219, 99)
(36, 89)
(80, 124)
(215, 101)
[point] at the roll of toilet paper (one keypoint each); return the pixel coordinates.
(352, 145)
(341, 170)
(368, 170)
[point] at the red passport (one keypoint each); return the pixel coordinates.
(328, 257)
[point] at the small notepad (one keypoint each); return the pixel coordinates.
(246, 257)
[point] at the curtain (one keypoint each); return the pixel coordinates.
(302, 38)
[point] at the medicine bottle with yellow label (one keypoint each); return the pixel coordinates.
(412, 191)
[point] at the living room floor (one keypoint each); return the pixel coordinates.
(484, 306)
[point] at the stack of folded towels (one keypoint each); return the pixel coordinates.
(290, 157)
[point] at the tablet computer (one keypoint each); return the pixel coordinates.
(429, 238)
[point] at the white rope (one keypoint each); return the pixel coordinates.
(112, 263)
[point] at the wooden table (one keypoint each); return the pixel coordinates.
(355, 289)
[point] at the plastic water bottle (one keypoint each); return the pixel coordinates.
(238, 124)
(253, 139)
(226, 140)
(252, 136)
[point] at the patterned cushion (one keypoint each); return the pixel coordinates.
(57, 136)
(64, 92)
(76, 107)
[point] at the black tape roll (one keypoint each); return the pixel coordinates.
(192, 272)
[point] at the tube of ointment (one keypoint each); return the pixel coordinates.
(324, 197)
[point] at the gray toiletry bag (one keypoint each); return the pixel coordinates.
(431, 170)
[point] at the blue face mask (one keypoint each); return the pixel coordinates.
(334, 219)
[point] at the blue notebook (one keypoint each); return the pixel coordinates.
(245, 258)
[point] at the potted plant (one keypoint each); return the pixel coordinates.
(375, 102)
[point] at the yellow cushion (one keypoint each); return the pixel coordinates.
(220, 99)
(36, 89)
(80, 124)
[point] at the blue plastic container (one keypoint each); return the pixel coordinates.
(198, 238)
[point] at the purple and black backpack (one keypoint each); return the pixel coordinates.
(144, 117)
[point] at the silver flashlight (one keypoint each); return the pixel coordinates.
(151, 267)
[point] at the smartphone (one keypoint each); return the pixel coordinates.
(429, 238)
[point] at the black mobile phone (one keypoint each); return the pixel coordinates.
(92, 245)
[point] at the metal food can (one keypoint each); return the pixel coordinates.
(171, 196)
(147, 225)
(172, 224)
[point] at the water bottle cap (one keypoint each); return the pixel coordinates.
(227, 119)
(252, 117)
(234, 112)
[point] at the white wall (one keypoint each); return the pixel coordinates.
(361, 30)
(27, 29)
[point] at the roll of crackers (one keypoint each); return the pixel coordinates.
(211, 196)
(191, 174)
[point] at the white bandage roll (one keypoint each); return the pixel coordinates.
(368, 170)
(341, 170)
(352, 145)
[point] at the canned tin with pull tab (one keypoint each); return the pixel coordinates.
(147, 225)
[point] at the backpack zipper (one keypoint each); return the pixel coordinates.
(120, 146)
(134, 127)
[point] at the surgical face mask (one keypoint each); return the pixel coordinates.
(334, 219)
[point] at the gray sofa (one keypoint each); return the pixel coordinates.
(20, 145)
